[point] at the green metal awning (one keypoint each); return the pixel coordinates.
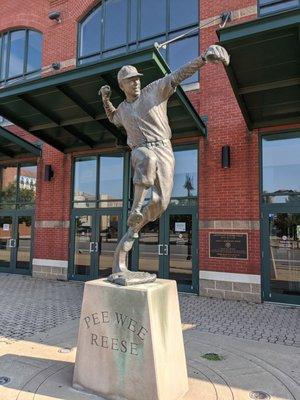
(265, 68)
(66, 112)
(12, 146)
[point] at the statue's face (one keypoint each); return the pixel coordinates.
(131, 87)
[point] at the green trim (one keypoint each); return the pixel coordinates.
(261, 25)
(11, 137)
(265, 99)
(59, 128)
(85, 71)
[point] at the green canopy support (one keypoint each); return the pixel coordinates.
(65, 110)
(264, 68)
(12, 146)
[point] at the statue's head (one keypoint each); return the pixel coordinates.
(129, 81)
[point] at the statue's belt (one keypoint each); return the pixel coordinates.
(156, 143)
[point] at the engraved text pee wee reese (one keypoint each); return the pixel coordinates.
(130, 326)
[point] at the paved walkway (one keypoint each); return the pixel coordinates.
(39, 323)
(38, 305)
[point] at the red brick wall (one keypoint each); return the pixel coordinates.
(224, 194)
(233, 193)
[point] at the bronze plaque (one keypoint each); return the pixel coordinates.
(228, 245)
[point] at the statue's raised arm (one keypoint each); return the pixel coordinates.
(214, 54)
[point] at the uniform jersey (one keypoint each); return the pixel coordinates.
(145, 119)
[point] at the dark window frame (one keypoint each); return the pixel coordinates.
(133, 45)
(34, 73)
(276, 197)
(264, 5)
(97, 203)
(17, 204)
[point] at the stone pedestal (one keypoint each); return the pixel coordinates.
(130, 344)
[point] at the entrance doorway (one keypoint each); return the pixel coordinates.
(168, 247)
(281, 217)
(16, 238)
(281, 254)
(95, 236)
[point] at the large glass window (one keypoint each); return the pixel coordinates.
(20, 55)
(98, 181)
(140, 23)
(274, 6)
(185, 190)
(18, 186)
(281, 169)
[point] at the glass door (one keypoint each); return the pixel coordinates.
(108, 237)
(16, 242)
(23, 244)
(168, 247)
(281, 255)
(181, 262)
(82, 246)
(95, 235)
(6, 240)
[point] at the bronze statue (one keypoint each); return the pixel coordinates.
(143, 114)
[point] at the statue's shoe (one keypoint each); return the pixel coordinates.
(135, 217)
(128, 278)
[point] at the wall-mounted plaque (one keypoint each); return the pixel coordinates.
(228, 245)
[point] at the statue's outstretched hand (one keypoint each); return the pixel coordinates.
(215, 54)
(105, 92)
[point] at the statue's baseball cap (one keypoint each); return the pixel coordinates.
(128, 71)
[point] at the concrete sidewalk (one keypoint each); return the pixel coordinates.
(39, 366)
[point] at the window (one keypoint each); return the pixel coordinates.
(20, 55)
(98, 181)
(140, 23)
(185, 189)
(18, 186)
(281, 169)
(274, 6)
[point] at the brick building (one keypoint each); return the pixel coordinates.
(232, 229)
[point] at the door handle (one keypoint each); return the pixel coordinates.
(92, 247)
(12, 243)
(166, 253)
(159, 250)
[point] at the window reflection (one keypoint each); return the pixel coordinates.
(34, 61)
(91, 33)
(98, 181)
(284, 231)
(85, 179)
(183, 51)
(281, 168)
(115, 15)
(183, 13)
(8, 185)
(17, 52)
(18, 186)
(186, 174)
(153, 17)
(27, 184)
(139, 23)
(111, 178)
(269, 6)
(20, 55)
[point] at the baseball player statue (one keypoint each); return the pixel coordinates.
(143, 114)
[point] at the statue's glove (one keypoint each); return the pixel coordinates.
(105, 92)
(215, 54)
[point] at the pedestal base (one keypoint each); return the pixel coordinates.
(130, 344)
